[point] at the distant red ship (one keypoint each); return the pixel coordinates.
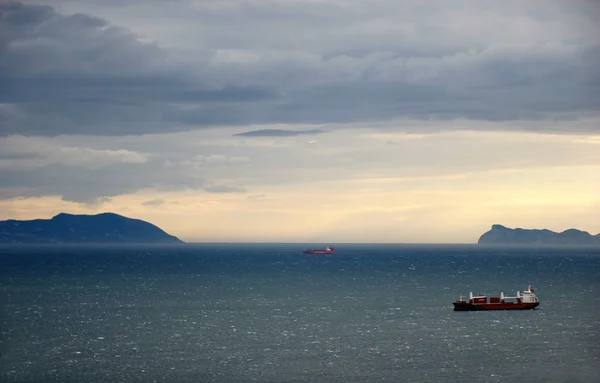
(523, 301)
(327, 250)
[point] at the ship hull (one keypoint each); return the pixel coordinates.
(465, 306)
(317, 252)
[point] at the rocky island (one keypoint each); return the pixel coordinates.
(102, 228)
(501, 235)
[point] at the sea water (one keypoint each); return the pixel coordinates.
(268, 313)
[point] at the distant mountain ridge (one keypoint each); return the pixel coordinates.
(503, 235)
(71, 228)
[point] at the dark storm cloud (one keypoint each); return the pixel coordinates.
(279, 133)
(77, 74)
(246, 93)
(288, 63)
(124, 89)
(40, 41)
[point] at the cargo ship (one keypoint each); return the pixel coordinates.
(327, 250)
(526, 300)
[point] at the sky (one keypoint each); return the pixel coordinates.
(319, 121)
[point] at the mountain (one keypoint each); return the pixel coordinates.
(69, 228)
(503, 235)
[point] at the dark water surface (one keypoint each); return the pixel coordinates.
(267, 313)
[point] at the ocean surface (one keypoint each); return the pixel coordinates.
(268, 313)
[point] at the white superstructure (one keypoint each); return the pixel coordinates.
(528, 296)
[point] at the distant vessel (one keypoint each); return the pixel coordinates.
(327, 250)
(523, 301)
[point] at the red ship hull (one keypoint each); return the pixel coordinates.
(466, 306)
(317, 251)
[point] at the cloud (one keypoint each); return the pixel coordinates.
(217, 188)
(217, 159)
(279, 133)
(20, 153)
(154, 202)
(78, 74)
(87, 168)
(113, 70)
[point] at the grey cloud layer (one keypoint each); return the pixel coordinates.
(262, 62)
(90, 169)
(278, 133)
(77, 183)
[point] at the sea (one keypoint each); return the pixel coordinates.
(268, 313)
